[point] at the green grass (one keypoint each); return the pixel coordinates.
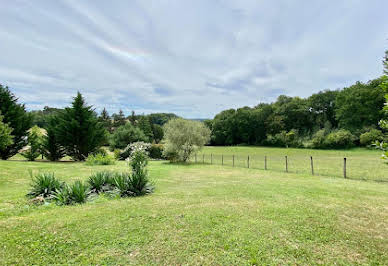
(363, 164)
(199, 214)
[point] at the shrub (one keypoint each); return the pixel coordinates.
(35, 139)
(125, 135)
(116, 153)
(318, 140)
(156, 151)
(339, 139)
(78, 192)
(100, 159)
(63, 195)
(371, 136)
(44, 185)
(100, 182)
(132, 185)
(284, 139)
(140, 145)
(184, 137)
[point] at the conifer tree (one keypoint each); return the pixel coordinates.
(52, 149)
(6, 138)
(105, 119)
(17, 118)
(79, 131)
(145, 125)
(118, 119)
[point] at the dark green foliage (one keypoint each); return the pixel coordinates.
(322, 108)
(144, 124)
(44, 185)
(17, 118)
(52, 149)
(125, 135)
(79, 131)
(40, 118)
(132, 185)
(62, 196)
(106, 120)
(79, 192)
(6, 139)
(318, 139)
(360, 105)
(101, 182)
(161, 118)
(119, 119)
(156, 151)
(158, 133)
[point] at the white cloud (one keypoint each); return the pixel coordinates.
(194, 58)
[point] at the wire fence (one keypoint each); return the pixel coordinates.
(335, 166)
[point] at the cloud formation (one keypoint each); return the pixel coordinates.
(193, 58)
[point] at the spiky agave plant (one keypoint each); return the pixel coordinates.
(79, 192)
(44, 185)
(100, 181)
(63, 196)
(122, 183)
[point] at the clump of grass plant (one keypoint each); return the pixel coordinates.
(44, 185)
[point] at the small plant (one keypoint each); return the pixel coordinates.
(100, 182)
(63, 196)
(100, 159)
(79, 192)
(44, 185)
(35, 139)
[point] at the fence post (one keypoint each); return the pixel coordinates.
(312, 165)
(233, 159)
(222, 159)
(344, 167)
(265, 162)
(211, 158)
(286, 164)
(248, 161)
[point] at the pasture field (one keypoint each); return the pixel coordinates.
(361, 163)
(199, 214)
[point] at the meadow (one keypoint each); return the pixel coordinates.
(202, 214)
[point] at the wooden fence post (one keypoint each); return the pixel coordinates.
(286, 164)
(248, 161)
(312, 165)
(344, 167)
(233, 159)
(222, 159)
(265, 162)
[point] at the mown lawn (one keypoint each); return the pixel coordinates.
(199, 214)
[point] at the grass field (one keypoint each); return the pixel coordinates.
(364, 164)
(199, 214)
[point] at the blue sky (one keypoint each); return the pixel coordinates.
(193, 58)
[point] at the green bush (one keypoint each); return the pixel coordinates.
(44, 185)
(339, 139)
(100, 182)
(116, 153)
(62, 196)
(125, 135)
(156, 151)
(284, 139)
(371, 136)
(35, 140)
(100, 159)
(318, 139)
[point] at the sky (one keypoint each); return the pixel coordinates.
(193, 58)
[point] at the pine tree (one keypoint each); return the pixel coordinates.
(52, 149)
(17, 118)
(145, 125)
(132, 118)
(79, 131)
(118, 119)
(105, 119)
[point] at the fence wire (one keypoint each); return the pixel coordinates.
(356, 168)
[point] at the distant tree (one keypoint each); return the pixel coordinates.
(40, 117)
(35, 139)
(79, 131)
(16, 117)
(105, 119)
(118, 119)
(322, 108)
(125, 135)
(157, 131)
(223, 131)
(183, 137)
(360, 105)
(145, 125)
(132, 118)
(6, 139)
(52, 149)
(161, 118)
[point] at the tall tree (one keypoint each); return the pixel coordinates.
(35, 139)
(52, 149)
(79, 131)
(118, 119)
(132, 118)
(105, 119)
(145, 125)
(17, 118)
